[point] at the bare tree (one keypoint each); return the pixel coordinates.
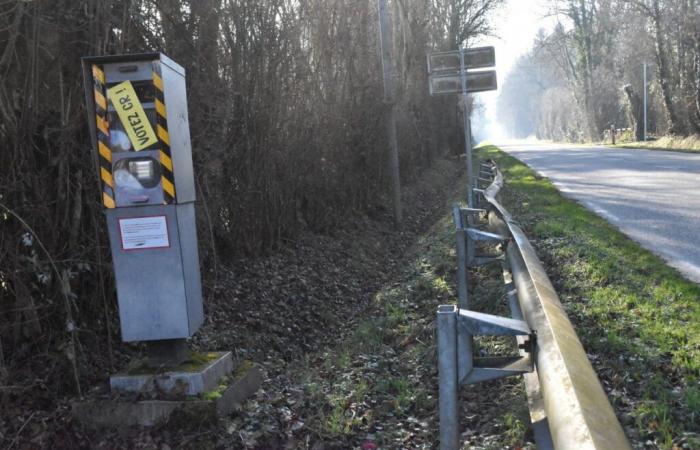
(285, 115)
(599, 47)
(654, 11)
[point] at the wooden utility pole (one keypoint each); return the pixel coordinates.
(385, 42)
(645, 101)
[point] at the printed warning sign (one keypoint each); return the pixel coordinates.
(139, 233)
(132, 116)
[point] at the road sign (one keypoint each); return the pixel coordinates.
(474, 58)
(452, 83)
(450, 73)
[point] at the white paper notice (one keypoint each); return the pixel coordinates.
(144, 232)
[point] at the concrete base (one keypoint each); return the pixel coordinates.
(195, 381)
(166, 353)
(147, 413)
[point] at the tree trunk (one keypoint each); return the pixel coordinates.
(696, 69)
(583, 25)
(635, 112)
(206, 13)
(173, 28)
(697, 83)
(675, 124)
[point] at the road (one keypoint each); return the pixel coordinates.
(652, 196)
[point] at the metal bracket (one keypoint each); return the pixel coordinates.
(472, 210)
(476, 370)
(465, 238)
(481, 324)
(485, 236)
(493, 368)
(482, 260)
(480, 198)
(469, 215)
(462, 216)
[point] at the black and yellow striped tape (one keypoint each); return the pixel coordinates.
(166, 162)
(104, 151)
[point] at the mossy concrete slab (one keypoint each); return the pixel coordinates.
(191, 380)
(111, 413)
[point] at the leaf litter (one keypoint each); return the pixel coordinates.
(343, 326)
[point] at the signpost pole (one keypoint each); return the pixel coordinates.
(449, 74)
(467, 130)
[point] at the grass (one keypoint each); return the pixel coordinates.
(514, 428)
(639, 318)
(689, 144)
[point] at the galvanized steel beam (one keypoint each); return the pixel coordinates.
(577, 409)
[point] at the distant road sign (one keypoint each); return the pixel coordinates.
(449, 73)
(474, 58)
(452, 83)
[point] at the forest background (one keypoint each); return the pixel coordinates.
(288, 132)
(585, 75)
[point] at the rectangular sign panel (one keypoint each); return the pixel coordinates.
(139, 233)
(474, 58)
(132, 116)
(452, 84)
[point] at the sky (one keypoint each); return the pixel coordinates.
(515, 25)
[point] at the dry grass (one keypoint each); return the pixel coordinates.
(689, 144)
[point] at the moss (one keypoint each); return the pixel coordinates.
(217, 393)
(196, 361)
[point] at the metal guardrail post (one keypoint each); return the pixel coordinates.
(447, 373)
(464, 340)
(564, 394)
(457, 365)
(461, 237)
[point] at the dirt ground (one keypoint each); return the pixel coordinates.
(343, 327)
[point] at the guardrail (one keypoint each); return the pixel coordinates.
(568, 406)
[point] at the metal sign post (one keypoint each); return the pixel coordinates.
(450, 74)
(467, 130)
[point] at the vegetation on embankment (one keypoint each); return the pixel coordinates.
(638, 319)
(376, 385)
(288, 136)
(343, 327)
(273, 310)
(689, 144)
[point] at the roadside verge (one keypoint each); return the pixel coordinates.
(689, 144)
(638, 319)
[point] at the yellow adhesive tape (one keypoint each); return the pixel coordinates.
(132, 115)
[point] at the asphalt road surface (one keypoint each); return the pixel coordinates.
(652, 196)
